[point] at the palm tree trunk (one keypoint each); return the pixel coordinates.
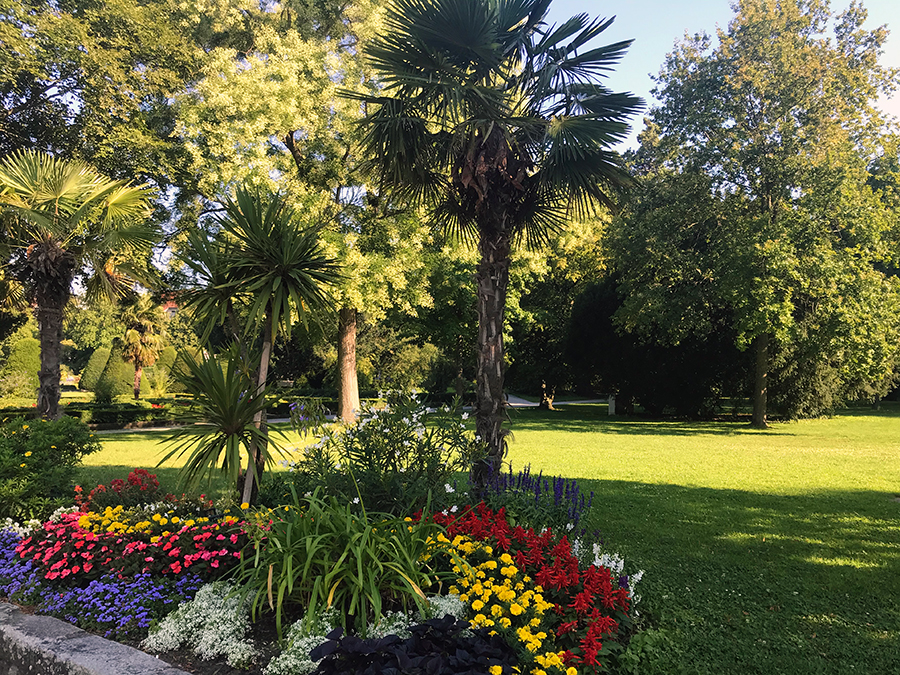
(348, 400)
(50, 324)
(492, 280)
(760, 388)
(138, 371)
(254, 460)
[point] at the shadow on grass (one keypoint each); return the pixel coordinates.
(746, 582)
(593, 418)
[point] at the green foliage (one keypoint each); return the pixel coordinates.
(37, 464)
(770, 219)
(93, 371)
(225, 404)
(90, 326)
(117, 378)
(19, 375)
(320, 552)
(395, 460)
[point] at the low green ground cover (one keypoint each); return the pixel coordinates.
(771, 551)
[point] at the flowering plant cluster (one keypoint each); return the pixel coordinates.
(78, 548)
(37, 463)
(393, 456)
(114, 606)
(567, 619)
(141, 487)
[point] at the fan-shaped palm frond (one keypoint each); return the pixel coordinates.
(501, 124)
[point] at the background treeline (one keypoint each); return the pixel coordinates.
(756, 251)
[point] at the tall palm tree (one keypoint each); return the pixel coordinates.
(144, 336)
(277, 264)
(64, 220)
(499, 123)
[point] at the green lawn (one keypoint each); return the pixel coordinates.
(766, 551)
(771, 551)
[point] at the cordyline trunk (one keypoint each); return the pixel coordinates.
(492, 280)
(348, 400)
(138, 372)
(256, 460)
(760, 386)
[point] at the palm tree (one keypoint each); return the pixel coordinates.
(276, 263)
(65, 220)
(499, 123)
(144, 336)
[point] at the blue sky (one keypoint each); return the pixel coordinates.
(655, 25)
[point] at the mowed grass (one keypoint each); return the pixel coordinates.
(772, 551)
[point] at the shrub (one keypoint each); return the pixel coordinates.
(37, 463)
(19, 376)
(393, 458)
(318, 552)
(94, 368)
(117, 378)
(437, 646)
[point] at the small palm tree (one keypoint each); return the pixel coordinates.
(64, 219)
(144, 336)
(500, 124)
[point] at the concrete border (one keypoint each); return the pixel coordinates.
(42, 645)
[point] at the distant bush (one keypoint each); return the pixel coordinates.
(94, 368)
(117, 378)
(19, 376)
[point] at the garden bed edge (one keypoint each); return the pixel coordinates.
(42, 645)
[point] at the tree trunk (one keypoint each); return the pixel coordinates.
(257, 454)
(492, 280)
(138, 372)
(348, 399)
(50, 324)
(760, 388)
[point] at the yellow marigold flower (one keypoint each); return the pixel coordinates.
(535, 622)
(163, 521)
(496, 670)
(496, 610)
(571, 670)
(479, 619)
(166, 533)
(24, 427)
(153, 540)
(190, 523)
(505, 622)
(175, 519)
(506, 559)
(21, 465)
(155, 516)
(477, 605)
(53, 446)
(488, 550)
(480, 574)
(516, 609)
(245, 506)
(28, 454)
(489, 565)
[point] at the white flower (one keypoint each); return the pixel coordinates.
(465, 415)
(454, 508)
(448, 487)
(355, 500)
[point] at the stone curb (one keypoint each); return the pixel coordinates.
(42, 645)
